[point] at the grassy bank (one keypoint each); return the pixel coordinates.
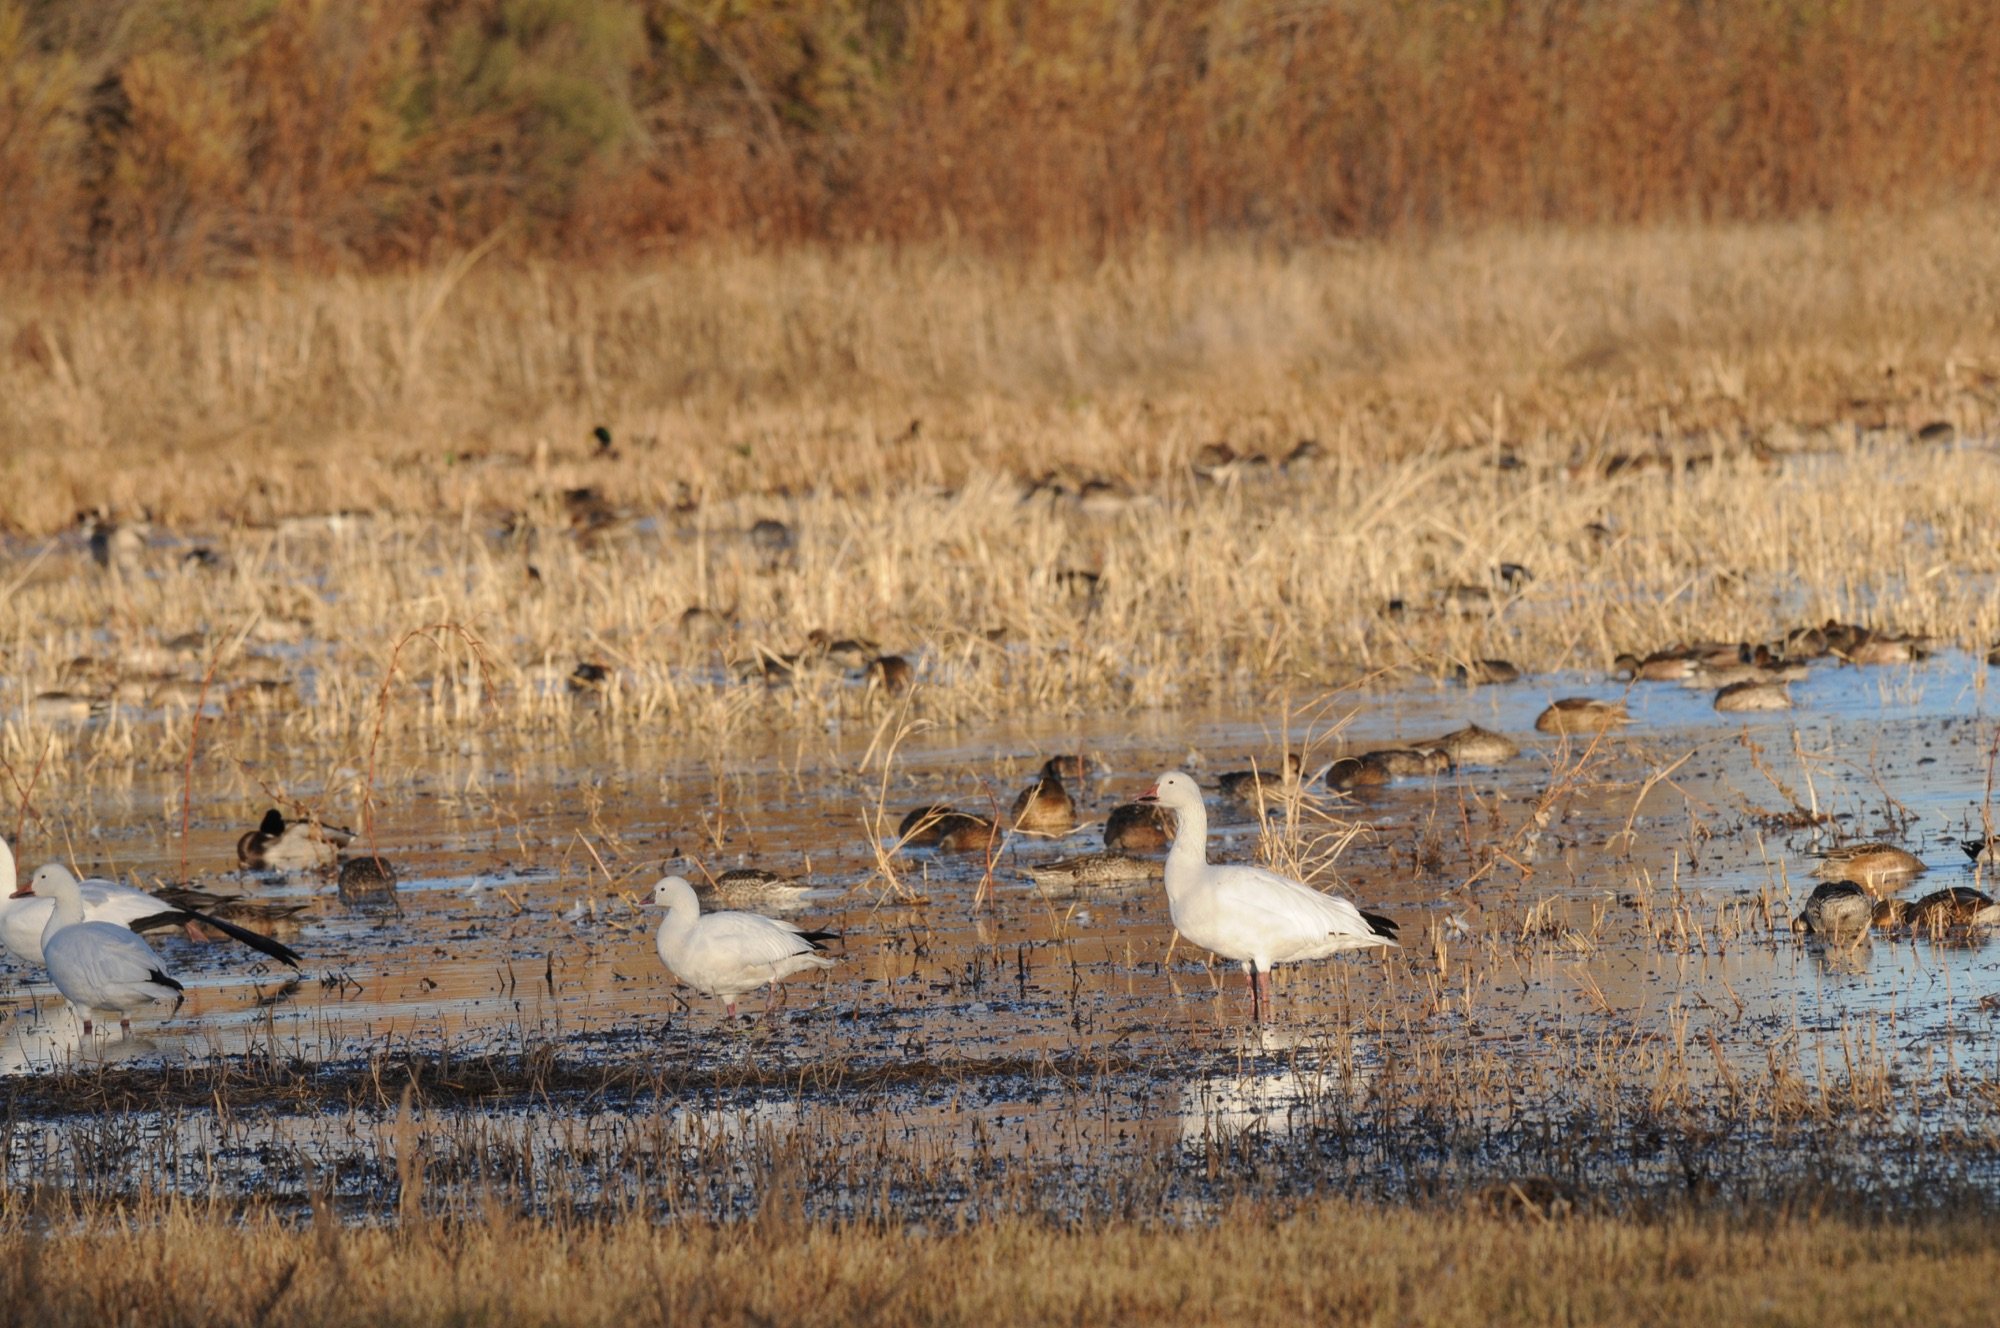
(1330, 1264)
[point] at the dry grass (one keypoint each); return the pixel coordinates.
(1332, 1263)
(1473, 399)
(475, 386)
(450, 406)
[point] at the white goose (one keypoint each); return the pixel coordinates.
(727, 954)
(25, 912)
(1256, 917)
(100, 965)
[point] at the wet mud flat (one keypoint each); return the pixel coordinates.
(1598, 983)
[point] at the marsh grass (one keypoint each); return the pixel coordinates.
(1685, 432)
(1681, 432)
(1333, 1262)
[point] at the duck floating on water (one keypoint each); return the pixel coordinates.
(280, 845)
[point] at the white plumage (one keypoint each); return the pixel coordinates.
(1254, 916)
(727, 954)
(24, 914)
(99, 965)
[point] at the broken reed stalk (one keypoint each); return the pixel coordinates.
(194, 741)
(27, 794)
(426, 633)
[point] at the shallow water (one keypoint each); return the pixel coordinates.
(1627, 1010)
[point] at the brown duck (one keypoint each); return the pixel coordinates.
(1045, 807)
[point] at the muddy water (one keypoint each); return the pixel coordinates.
(1615, 997)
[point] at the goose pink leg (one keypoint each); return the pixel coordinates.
(1260, 993)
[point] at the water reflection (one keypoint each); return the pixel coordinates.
(1621, 939)
(48, 1035)
(1317, 1075)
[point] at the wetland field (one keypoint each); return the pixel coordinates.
(548, 584)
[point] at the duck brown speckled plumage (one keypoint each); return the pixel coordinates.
(1045, 807)
(1385, 765)
(1136, 827)
(947, 830)
(1959, 906)
(1837, 911)
(1875, 867)
(1580, 714)
(1093, 869)
(1473, 745)
(1246, 785)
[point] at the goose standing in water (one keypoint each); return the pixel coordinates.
(99, 965)
(1256, 917)
(25, 912)
(727, 954)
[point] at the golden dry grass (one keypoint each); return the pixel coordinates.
(447, 403)
(1332, 1263)
(476, 384)
(1681, 432)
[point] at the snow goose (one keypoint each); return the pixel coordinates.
(727, 954)
(25, 912)
(99, 965)
(1254, 916)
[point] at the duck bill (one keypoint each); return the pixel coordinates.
(1152, 794)
(25, 892)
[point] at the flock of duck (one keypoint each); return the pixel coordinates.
(87, 933)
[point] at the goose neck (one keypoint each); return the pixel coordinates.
(677, 925)
(1188, 857)
(68, 909)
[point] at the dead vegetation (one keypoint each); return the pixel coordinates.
(864, 455)
(1334, 1262)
